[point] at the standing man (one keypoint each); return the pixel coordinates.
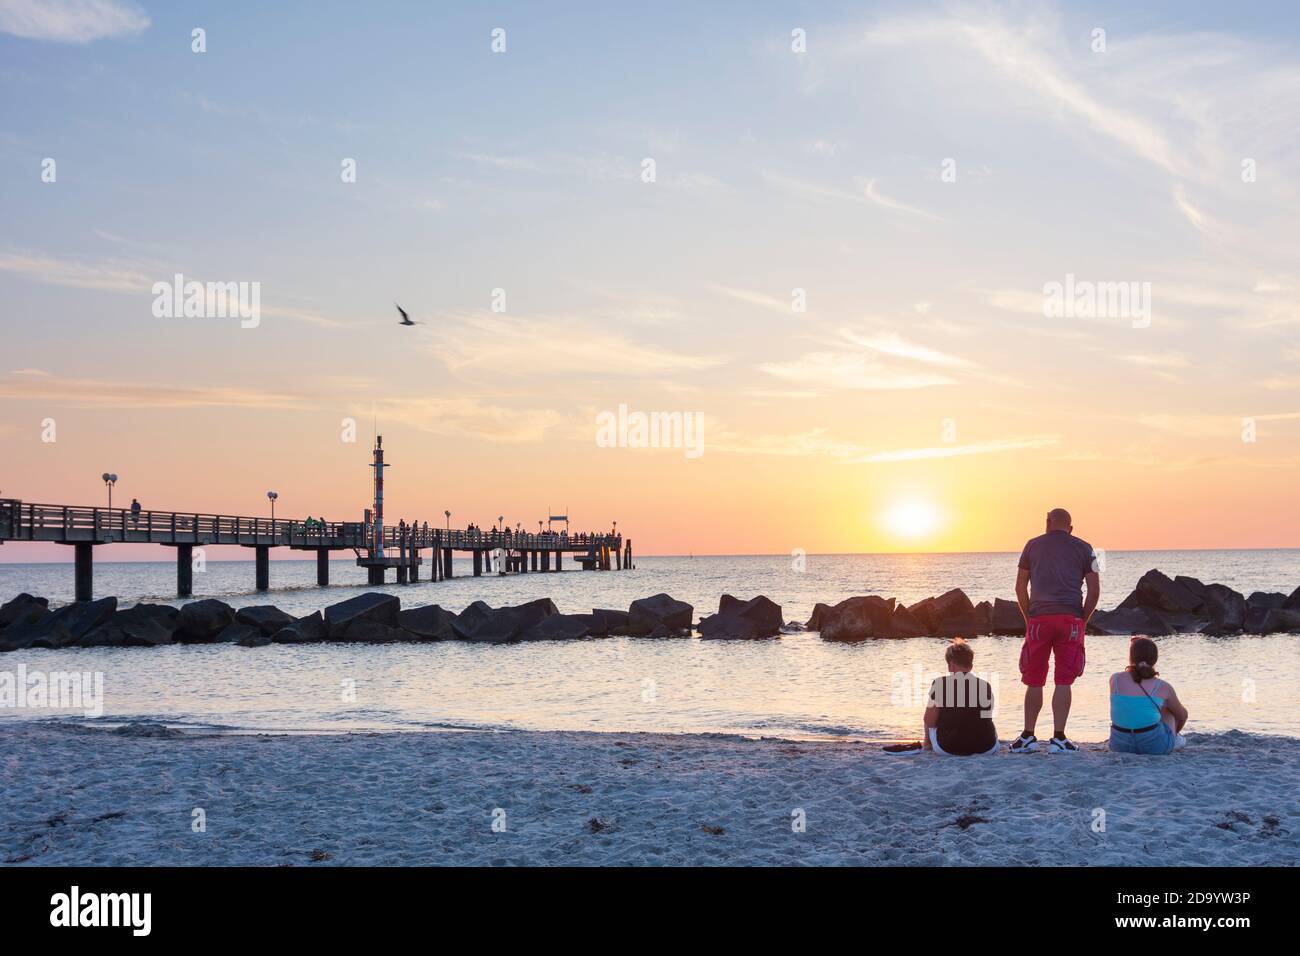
(1053, 569)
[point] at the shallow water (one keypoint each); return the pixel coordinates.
(798, 686)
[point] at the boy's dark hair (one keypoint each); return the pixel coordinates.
(959, 653)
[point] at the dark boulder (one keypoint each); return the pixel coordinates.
(1122, 620)
(61, 628)
(923, 612)
(954, 615)
(305, 630)
(1007, 618)
(144, 625)
(478, 622)
(1281, 620)
(23, 609)
(559, 627)
(264, 617)
(359, 614)
(244, 635)
(1292, 603)
(646, 614)
(904, 624)
(604, 620)
(1257, 607)
(858, 618)
(429, 623)
(758, 617)
(1157, 591)
(984, 617)
(1225, 608)
(819, 612)
(199, 622)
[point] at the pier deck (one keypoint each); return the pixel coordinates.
(86, 527)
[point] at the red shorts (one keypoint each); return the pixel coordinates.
(1048, 634)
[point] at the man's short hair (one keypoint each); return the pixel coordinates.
(959, 653)
(1059, 516)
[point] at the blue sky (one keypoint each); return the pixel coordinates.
(775, 170)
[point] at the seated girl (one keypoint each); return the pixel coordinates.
(959, 712)
(1146, 716)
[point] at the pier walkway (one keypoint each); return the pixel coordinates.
(84, 528)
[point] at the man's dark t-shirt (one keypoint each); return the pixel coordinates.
(965, 724)
(1057, 563)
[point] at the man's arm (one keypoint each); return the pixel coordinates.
(1022, 592)
(930, 720)
(1093, 581)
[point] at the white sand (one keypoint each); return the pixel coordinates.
(78, 796)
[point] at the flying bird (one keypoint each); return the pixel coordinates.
(406, 319)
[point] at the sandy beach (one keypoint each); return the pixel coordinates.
(72, 795)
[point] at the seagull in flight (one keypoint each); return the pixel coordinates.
(406, 319)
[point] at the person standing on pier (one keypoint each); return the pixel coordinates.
(135, 510)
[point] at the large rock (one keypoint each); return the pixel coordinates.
(646, 614)
(858, 618)
(1292, 603)
(23, 609)
(1157, 591)
(306, 630)
(954, 615)
(1281, 620)
(245, 635)
(984, 617)
(144, 625)
(429, 623)
(604, 620)
(362, 618)
(1225, 608)
(264, 617)
(559, 627)
(758, 617)
(904, 624)
(1136, 620)
(814, 623)
(199, 622)
(923, 613)
(61, 628)
(1007, 618)
(478, 622)
(1257, 607)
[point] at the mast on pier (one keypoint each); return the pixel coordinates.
(378, 464)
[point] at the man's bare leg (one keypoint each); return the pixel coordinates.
(1033, 704)
(1061, 700)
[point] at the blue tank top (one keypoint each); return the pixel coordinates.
(1138, 710)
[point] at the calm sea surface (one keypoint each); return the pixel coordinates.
(798, 686)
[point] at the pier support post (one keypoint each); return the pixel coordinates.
(401, 574)
(323, 567)
(546, 560)
(532, 559)
(618, 559)
(627, 554)
(184, 570)
(446, 564)
(559, 558)
(478, 563)
(262, 566)
(83, 570)
(375, 574)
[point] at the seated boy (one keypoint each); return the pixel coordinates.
(959, 713)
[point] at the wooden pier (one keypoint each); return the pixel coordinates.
(83, 528)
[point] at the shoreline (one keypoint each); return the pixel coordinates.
(74, 795)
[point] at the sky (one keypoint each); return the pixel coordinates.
(835, 234)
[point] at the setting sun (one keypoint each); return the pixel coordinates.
(912, 519)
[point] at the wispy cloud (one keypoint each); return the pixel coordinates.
(71, 21)
(873, 193)
(851, 370)
(761, 299)
(891, 343)
(954, 451)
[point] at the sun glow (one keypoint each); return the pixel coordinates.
(912, 519)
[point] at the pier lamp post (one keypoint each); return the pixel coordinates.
(272, 496)
(501, 523)
(109, 480)
(448, 514)
(616, 529)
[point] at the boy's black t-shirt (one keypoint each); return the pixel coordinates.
(965, 705)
